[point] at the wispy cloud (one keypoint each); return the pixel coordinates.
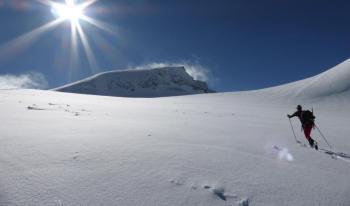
(195, 69)
(31, 80)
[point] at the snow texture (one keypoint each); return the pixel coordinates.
(158, 82)
(210, 149)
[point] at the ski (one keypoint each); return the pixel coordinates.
(326, 151)
(338, 154)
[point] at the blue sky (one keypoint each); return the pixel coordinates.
(244, 44)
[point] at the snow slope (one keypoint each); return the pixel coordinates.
(208, 149)
(334, 81)
(158, 82)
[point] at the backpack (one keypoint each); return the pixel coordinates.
(307, 117)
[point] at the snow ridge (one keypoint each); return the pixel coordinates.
(335, 81)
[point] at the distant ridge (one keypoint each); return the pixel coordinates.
(335, 81)
(157, 82)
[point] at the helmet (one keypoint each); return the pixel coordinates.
(299, 107)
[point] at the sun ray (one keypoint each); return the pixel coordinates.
(87, 4)
(89, 53)
(73, 52)
(112, 53)
(102, 25)
(47, 2)
(21, 43)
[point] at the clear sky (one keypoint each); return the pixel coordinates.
(242, 44)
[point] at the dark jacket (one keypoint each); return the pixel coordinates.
(304, 122)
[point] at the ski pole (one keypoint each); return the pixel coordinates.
(295, 137)
(325, 139)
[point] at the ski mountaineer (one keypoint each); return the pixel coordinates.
(306, 118)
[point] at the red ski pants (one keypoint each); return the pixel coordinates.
(307, 132)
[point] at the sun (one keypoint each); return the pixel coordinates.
(69, 11)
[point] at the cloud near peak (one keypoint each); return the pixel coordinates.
(31, 80)
(196, 70)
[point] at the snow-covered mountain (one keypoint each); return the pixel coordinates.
(224, 149)
(157, 82)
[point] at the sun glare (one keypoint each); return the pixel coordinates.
(68, 11)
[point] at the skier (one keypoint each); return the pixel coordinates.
(306, 118)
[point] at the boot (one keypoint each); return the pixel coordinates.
(311, 142)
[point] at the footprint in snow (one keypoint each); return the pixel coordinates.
(76, 155)
(194, 187)
(217, 191)
(34, 108)
(220, 192)
(176, 182)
